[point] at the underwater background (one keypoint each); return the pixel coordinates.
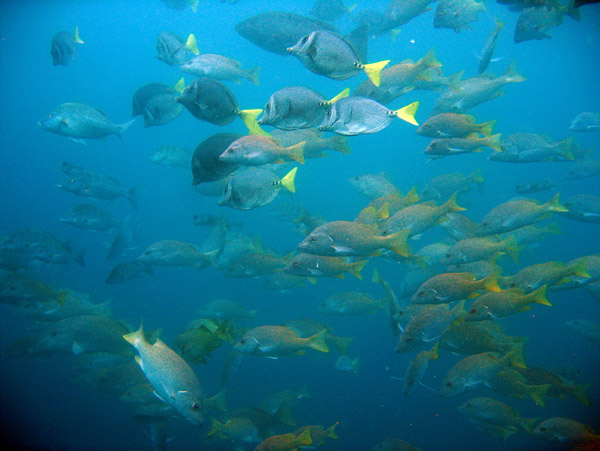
(43, 404)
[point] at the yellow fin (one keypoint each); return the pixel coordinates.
(194, 5)
(538, 393)
(433, 353)
(304, 438)
(407, 113)
(288, 180)
(539, 296)
(249, 119)
(136, 337)
(554, 204)
(77, 38)
(341, 95)
(192, 45)
(494, 142)
(216, 428)
(398, 242)
(296, 152)
(330, 431)
(180, 85)
(373, 71)
(317, 341)
(356, 268)
(486, 128)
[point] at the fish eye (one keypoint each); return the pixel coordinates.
(473, 311)
(267, 106)
(295, 264)
(196, 406)
(312, 239)
(49, 116)
(448, 255)
(421, 294)
(449, 384)
(242, 341)
(542, 429)
(71, 180)
(468, 405)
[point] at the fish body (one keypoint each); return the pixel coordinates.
(310, 265)
(144, 94)
(588, 121)
(566, 431)
(449, 287)
(401, 12)
(349, 303)
(171, 155)
(534, 187)
(36, 244)
(90, 217)
(209, 100)
(440, 188)
(480, 248)
(162, 109)
(459, 227)
(549, 273)
(124, 272)
(532, 147)
(494, 412)
(274, 341)
(206, 165)
(416, 369)
(453, 125)
(534, 22)
(173, 253)
(454, 146)
(64, 47)
(173, 50)
(373, 186)
(586, 328)
(174, 382)
(500, 304)
(329, 10)
(583, 207)
(236, 430)
(315, 144)
(584, 169)
(488, 48)
(476, 337)
(225, 310)
(285, 442)
(257, 150)
(457, 14)
(219, 67)
(79, 121)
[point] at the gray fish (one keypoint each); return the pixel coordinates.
(329, 54)
(359, 115)
(488, 48)
(64, 47)
(173, 50)
(531, 147)
(296, 107)
(219, 67)
(41, 245)
(587, 328)
(400, 12)
(225, 310)
(584, 169)
(161, 109)
(373, 186)
(583, 207)
(534, 22)
(144, 94)
(206, 166)
(315, 144)
(124, 272)
(457, 14)
(534, 187)
(329, 10)
(90, 217)
(79, 121)
(171, 155)
(209, 100)
(588, 121)
(175, 253)
(275, 31)
(255, 187)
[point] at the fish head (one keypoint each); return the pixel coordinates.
(190, 407)
(479, 313)
(247, 344)
(269, 113)
(452, 386)
(73, 185)
(317, 243)
(56, 123)
(407, 342)
(330, 117)
(73, 218)
(233, 154)
(453, 256)
(425, 295)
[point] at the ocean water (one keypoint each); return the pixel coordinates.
(43, 405)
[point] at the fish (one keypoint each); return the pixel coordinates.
(448, 287)
(500, 304)
(90, 217)
(454, 146)
(534, 22)
(347, 364)
(174, 382)
(43, 246)
(587, 121)
(416, 369)
(206, 165)
(309, 265)
(490, 45)
(79, 121)
(315, 144)
(583, 207)
(171, 155)
(173, 50)
(373, 186)
(255, 187)
(453, 125)
(318, 434)
(256, 150)
(459, 227)
(285, 442)
(162, 109)
(481, 248)
(275, 341)
(17, 288)
(349, 303)
(180, 5)
(346, 239)
(532, 235)
(442, 187)
(219, 67)
(209, 100)
(559, 385)
(224, 309)
(586, 328)
(329, 54)
(296, 107)
(329, 10)
(275, 31)
(64, 47)
(200, 338)
(510, 382)
(395, 444)
(516, 214)
(493, 412)
(236, 430)
(457, 14)
(124, 272)
(531, 147)
(360, 115)
(475, 337)
(566, 431)
(535, 187)
(175, 253)
(550, 273)
(401, 12)
(255, 264)
(584, 169)
(143, 95)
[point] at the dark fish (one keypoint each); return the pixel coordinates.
(534, 187)
(329, 54)
(457, 14)
(488, 48)
(161, 109)
(144, 94)
(125, 272)
(173, 50)
(579, 3)
(64, 47)
(328, 9)
(91, 217)
(534, 22)
(180, 5)
(206, 166)
(275, 31)
(400, 12)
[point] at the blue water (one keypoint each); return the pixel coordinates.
(40, 404)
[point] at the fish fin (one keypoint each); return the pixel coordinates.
(539, 296)
(288, 180)
(486, 128)
(138, 360)
(580, 269)
(493, 142)
(512, 74)
(216, 427)
(515, 357)
(76, 36)
(357, 267)
(341, 95)
(407, 113)
(194, 5)
(312, 280)
(179, 86)
(303, 440)
(137, 337)
(296, 152)
(490, 283)
(340, 144)
(252, 75)
(512, 248)
(398, 242)
(78, 140)
(538, 393)
(451, 205)
(124, 127)
(580, 393)
(192, 45)
(249, 119)
(373, 71)
(330, 431)
(157, 395)
(218, 402)
(529, 424)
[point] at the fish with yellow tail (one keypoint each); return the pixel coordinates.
(173, 380)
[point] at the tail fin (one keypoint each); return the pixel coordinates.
(451, 205)
(566, 147)
(296, 152)
(137, 337)
(356, 268)
(407, 113)
(454, 81)
(339, 143)
(512, 74)
(194, 5)
(412, 196)
(288, 180)
(317, 341)
(218, 402)
(476, 176)
(249, 119)
(373, 71)
(216, 427)
(572, 11)
(580, 269)
(580, 393)
(486, 128)
(60, 297)
(330, 431)
(538, 393)
(303, 439)
(433, 352)
(124, 127)
(529, 424)
(430, 60)
(76, 36)
(398, 242)
(554, 204)
(539, 296)
(341, 95)
(494, 142)
(192, 45)
(512, 248)
(515, 357)
(490, 283)
(132, 197)
(252, 75)
(179, 86)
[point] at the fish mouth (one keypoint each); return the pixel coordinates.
(290, 50)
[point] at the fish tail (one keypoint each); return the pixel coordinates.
(515, 357)
(494, 142)
(317, 341)
(451, 205)
(288, 180)
(407, 113)
(179, 86)
(383, 212)
(216, 427)
(373, 71)
(580, 269)
(378, 278)
(499, 25)
(192, 45)
(430, 60)
(341, 95)
(554, 204)
(218, 402)
(61, 297)
(538, 393)
(580, 393)
(194, 5)
(476, 176)
(249, 119)
(398, 242)
(539, 296)
(124, 127)
(567, 146)
(513, 75)
(529, 424)
(77, 38)
(412, 196)
(433, 352)
(330, 431)
(252, 75)
(342, 343)
(296, 152)
(486, 128)
(136, 338)
(132, 197)
(303, 439)
(512, 248)
(339, 143)
(394, 34)
(356, 268)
